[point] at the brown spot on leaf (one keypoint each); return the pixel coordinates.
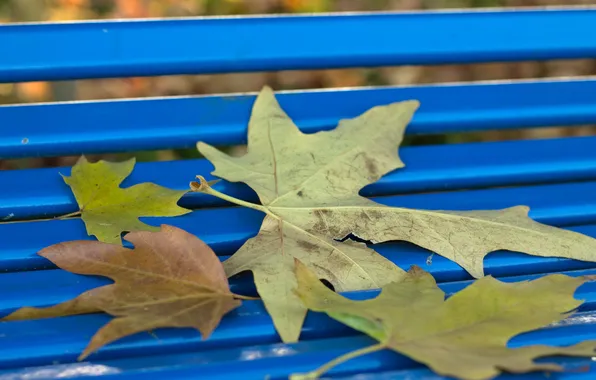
(307, 246)
(415, 270)
(325, 224)
(319, 226)
(299, 193)
(371, 166)
(376, 214)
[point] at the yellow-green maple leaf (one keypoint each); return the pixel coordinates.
(465, 336)
(107, 209)
(308, 185)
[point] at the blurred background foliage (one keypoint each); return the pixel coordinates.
(63, 10)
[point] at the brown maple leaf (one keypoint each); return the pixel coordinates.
(170, 279)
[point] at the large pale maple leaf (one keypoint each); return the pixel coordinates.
(308, 186)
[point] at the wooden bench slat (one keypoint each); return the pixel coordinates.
(259, 360)
(51, 129)
(426, 374)
(428, 168)
(247, 330)
(228, 228)
(246, 345)
(22, 288)
(212, 45)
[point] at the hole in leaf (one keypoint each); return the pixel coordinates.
(355, 238)
(243, 283)
(327, 284)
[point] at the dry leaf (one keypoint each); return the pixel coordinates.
(107, 209)
(465, 336)
(170, 279)
(293, 172)
(308, 185)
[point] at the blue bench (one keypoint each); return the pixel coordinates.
(555, 177)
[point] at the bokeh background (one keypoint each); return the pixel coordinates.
(63, 10)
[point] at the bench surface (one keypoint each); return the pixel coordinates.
(555, 177)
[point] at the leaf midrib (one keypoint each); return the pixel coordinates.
(492, 318)
(403, 209)
(303, 184)
(206, 298)
(355, 263)
(149, 274)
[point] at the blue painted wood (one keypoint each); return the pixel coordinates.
(570, 204)
(211, 45)
(428, 168)
(245, 336)
(557, 177)
(162, 123)
(24, 288)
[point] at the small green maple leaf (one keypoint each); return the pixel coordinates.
(107, 209)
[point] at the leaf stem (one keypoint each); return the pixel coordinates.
(203, 187)
(248, 298)
(344, 358)
(76, 213)
(65, 216)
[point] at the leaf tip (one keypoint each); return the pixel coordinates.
(266, 89)
(266, 100)
(414, 104)
(201, 146)
(83, 356)
(298, 263)
(300, 270)
(81, 160)
(304, 277)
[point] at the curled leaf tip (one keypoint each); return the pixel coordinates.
(202, 185)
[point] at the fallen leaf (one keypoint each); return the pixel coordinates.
(465, 336)
(107, 209)
(170, 279)
(308, 186)
(333, 166)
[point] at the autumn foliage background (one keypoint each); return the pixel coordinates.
(62, 10)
